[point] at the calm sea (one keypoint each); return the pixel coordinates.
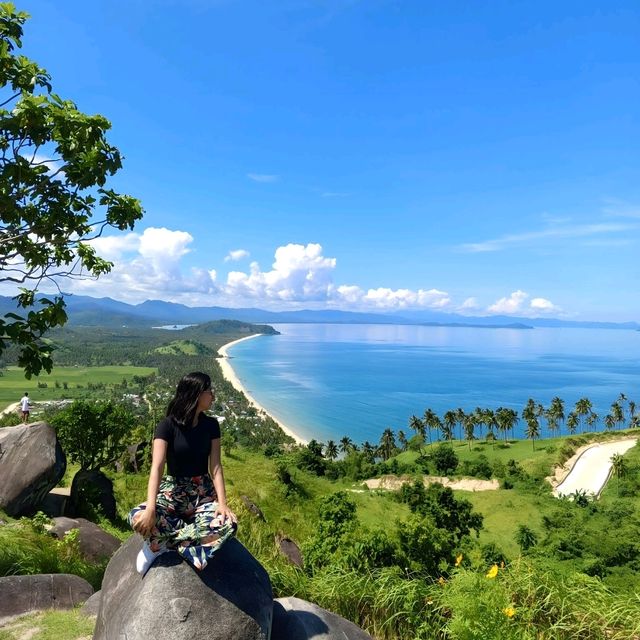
(326, 381)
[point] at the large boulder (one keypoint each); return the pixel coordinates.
(295, 619)
(31, 464)
(91, 493)
(95, 543)
(231, 599)
(21, 594)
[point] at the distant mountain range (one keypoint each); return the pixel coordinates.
(106, 312)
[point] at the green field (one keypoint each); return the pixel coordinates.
(13, 384)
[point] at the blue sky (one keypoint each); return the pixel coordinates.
(480, 157)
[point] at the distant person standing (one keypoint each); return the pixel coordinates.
(25, 407)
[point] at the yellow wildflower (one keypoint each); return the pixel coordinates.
(493, 572)
(459, 560)
(441, 581)
(509, 612)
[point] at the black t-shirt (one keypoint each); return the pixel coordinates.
(189, 447)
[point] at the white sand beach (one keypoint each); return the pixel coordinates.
(591, 466)
(230, 375)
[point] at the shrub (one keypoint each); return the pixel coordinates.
(93, 434)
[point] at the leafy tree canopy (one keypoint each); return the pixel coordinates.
(54, 198)
(93, 434)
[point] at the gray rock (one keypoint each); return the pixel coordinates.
(230, 599)
(32, 464)
(295, 619)
(22, 594)
(91, 607)
(290, 551)
(91, 491)
(95, 544)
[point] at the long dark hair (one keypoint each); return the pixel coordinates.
(184, 405)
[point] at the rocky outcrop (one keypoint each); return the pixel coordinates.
(230, 599)
(91, 493)
(95, 543)
(21, 594)
(31, 464)
(295, 619)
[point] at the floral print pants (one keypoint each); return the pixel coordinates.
(185, 519)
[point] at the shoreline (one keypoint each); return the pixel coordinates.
(231, 376)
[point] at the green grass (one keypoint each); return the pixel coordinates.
(504, 510)
(49, 625)
(13, 384)
(184, 347)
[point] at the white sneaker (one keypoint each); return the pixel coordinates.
(146, 558)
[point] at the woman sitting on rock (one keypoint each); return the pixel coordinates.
(186, 510)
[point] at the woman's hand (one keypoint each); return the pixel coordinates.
(226, 513)
(144, 522)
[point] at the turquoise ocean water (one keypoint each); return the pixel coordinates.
(326, 381)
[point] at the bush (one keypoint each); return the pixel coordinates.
(93, 434)
(444, 459)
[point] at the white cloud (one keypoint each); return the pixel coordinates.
(554, 232)
(470, 304)
(237, 254)
(385, 298)
(516, 304)
(153, 271)
(512, 304)
(543, 305)
(299, 273)
(114, 247)
(263, 177)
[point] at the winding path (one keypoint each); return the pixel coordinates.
(591, 470)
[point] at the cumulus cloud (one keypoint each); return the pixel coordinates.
(543, 305)
(263, 177)
(470, 304)
(237, 254)
(114, 247)
(299, 273)
(512, 304)
(148, 265)
(516, 303)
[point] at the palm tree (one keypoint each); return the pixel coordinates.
(402, 439)
(618, 467)
(369, 451)
(431, 420)
(632, 410)
(533, 429)
(469, 426)
(618, 413)
(346, 445)
(506, 419)
(609, 422)
(418, 426)
(572, 422)
(556, 408)
(331, 450)
(387, 444)
(460, 415)
(592, 419)
(582, 408)
(449, 424)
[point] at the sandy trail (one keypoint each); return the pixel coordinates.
(592, 467)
